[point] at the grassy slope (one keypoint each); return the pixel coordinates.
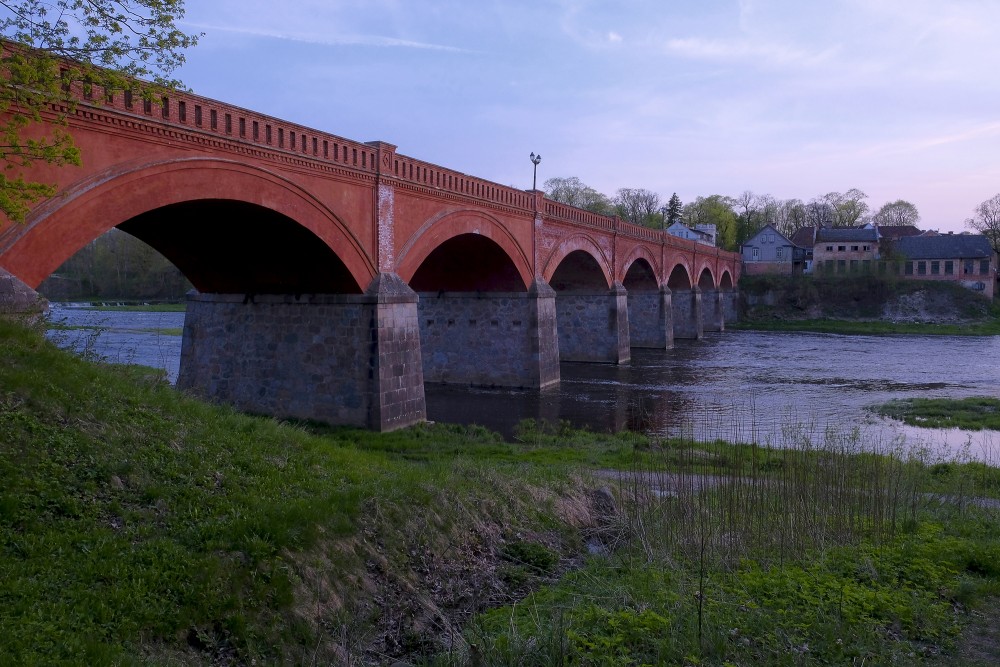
(137, 522)
(138, 526)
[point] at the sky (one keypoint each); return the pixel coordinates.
(898, 98)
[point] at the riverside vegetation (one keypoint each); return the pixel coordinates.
(864, 304)
(139, 526)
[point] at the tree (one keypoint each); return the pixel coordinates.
(674, 208)
(839, 209)
(751, 214)
(986, 221)
(638, 206)
(790, 215)
(575, 192)
(897, 213)
(714, 210)
(50, 50)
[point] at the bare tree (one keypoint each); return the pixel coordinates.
(986, 221)
(897, 213)
(575, 192)
(638, 206)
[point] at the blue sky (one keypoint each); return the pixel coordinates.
(898, 98)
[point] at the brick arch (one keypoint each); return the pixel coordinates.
(684, 274)
(639, 252)
(706, 270)
(443, 228)
(726, 281)
(571, 244)
(62, 225)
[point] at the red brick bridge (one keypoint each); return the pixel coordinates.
(335, 277)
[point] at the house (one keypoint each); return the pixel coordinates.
(700, 235)
(967, 259)
(805, 238)
(845, 249)
(770, 251)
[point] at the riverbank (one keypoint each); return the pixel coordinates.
(139, 525)
(864, 304)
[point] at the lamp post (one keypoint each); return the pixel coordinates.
(535, 159)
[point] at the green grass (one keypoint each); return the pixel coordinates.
(139, 526)
(139, 307)
(975, 413)
(165, 331)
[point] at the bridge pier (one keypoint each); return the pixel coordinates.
(491, 339)
(712, 310)
(593, 326)
(687, 316)
(342, 359)
(650, 319)
(731, 305)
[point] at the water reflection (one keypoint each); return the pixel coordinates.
(742, 386)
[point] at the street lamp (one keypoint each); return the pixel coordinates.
(535, 159)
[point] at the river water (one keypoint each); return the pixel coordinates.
(742, 386)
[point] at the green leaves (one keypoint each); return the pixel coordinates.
(50, 53)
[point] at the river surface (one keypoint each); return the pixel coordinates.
(772, 388)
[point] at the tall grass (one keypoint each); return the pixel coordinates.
(828, 549)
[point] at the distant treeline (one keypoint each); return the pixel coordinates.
(116, 266)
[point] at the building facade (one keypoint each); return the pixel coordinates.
(770, 251)
(845, 249)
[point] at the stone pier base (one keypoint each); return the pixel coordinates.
(332, 358)
(731, 305)
(18, 301)
(712, 310)
(687, 313)
(490, 339)
(650, 319)
(594, 326)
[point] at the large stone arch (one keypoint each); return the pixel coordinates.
(435, 232)
(62, 225)
(578, 242)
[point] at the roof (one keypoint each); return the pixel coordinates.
(846, 234)
(679, 228)
(945, 246)
(804, 237)
(893, 232)
(767, 229)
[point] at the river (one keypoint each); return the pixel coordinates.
(745, 386)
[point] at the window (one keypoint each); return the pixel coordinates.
(841, 265)
(779, 253)
(921, 268)
(935, 268)
(949, 267)
(854, 266)
(866, 248)
(854, 248)
(866, 265)
(967, 268)
(908, 270)
(984, 266)
(755, 254)
(829, 265)
(829, 248)
(841, 248)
